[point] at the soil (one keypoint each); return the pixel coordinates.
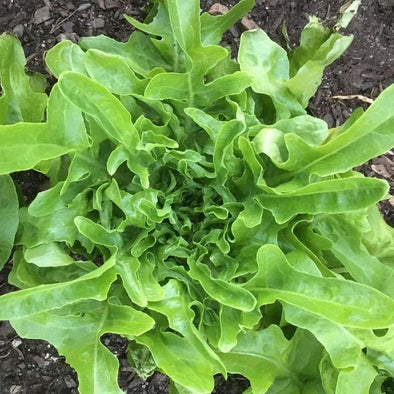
(34, 367)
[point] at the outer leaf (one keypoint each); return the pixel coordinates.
(31, 139)
(176, 357)
(94, 285)
(139, 51)
(348, 248)
(370, 135)
(18, 101)
(332, 196)
(8, 217)
(343, 348)
(93, 99)
(344, 302)
(266, 350)
(65, 122)
(78, 338)
(176, 306)
(185, 22)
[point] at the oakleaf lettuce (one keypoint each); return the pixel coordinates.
(196, 209)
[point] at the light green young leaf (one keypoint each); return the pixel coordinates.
(359, 380)
(257, 57)
(113, 73)
(379, 240)
(65, 56)
(213, 27)
(319, 47)
(227, 293)
(48, 255)
(65, 125)
(53, 225)
(9, 219)
(98, 234)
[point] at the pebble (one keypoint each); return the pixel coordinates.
(41, 15)
(98, 23)
(16, 342)
(18, 30)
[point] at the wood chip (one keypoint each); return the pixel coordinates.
(354, 96)
(39, 360)
(70, 382)
(109, 4)
(391, 201)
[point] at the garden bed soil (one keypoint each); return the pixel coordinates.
(34, 367)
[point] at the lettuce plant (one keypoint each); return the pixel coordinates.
(197, 209)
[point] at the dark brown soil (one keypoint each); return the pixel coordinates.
(34, 367)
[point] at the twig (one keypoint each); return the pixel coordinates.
(354, 96)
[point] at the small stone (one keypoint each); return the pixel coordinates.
(84, 7)
(249, 24)
(39, 360)
(391, 201)
(49, 22)
(101, 4)
(15, 389)
(16, 342)
(70, 382)
(68, 27)
(111, 4)
(234, 32)
(41, 15)
(65, 36)
(98, 23)
(381, 170)
(18, 30)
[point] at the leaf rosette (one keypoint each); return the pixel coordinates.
(196, 208)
